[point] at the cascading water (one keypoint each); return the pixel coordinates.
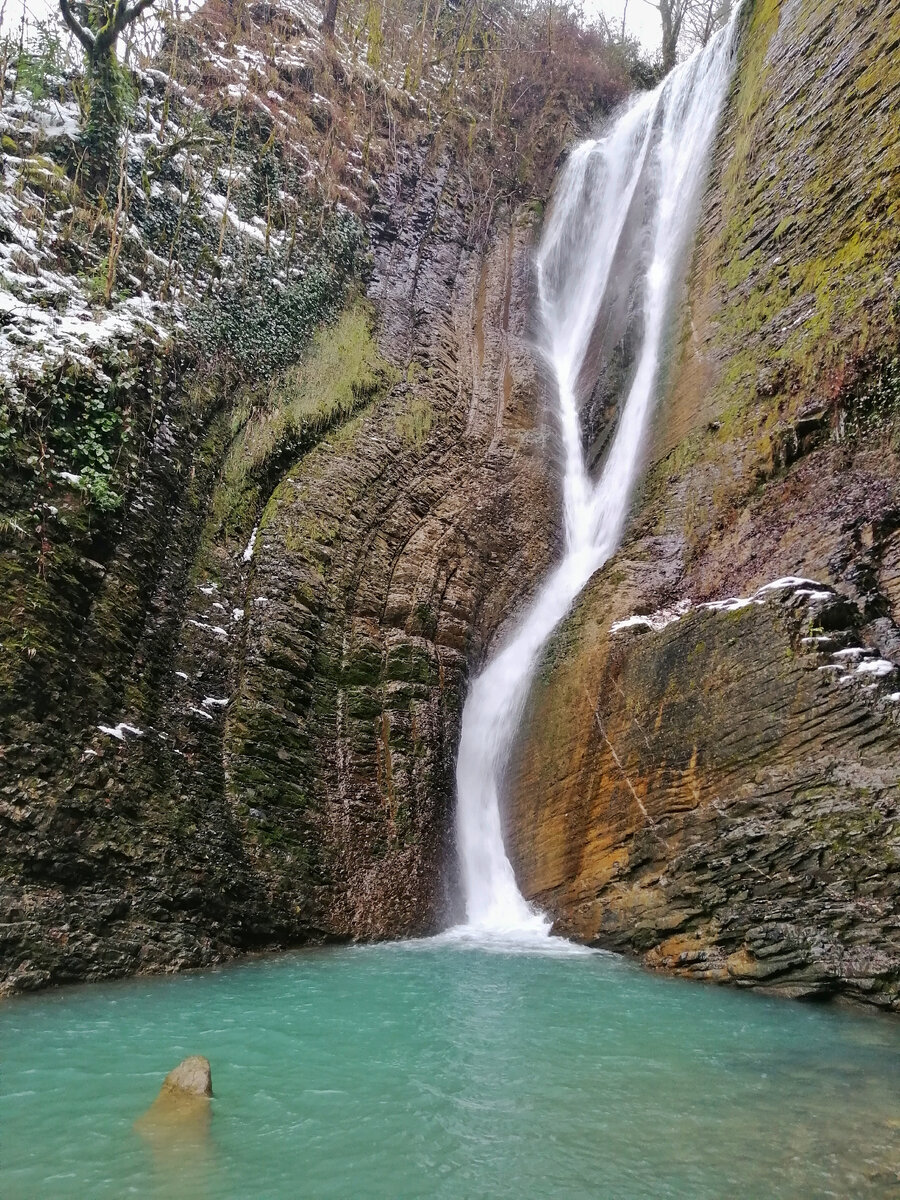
(639, 183)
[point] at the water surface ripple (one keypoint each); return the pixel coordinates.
(448, 1071)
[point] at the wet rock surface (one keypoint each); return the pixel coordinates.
(385, 560)
(719, 795)
(179, 1118)
(192, 1076)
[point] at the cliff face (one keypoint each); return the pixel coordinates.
(290, 692)
(230, 710)
(296, 687)
(272, 469)
(719, 794)
(383, 562)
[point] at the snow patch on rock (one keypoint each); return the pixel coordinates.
(119, 731)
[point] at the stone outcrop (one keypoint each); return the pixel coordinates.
(704, 795)
(179, 1118)
(191, 1078)
(722, 795)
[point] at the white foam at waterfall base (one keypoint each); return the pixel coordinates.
(524, 941)
(641, 182)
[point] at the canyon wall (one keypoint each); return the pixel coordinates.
(272, 485)
(238, 729)
(230, 711)
(718, 789)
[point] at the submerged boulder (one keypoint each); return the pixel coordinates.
(181, 1112)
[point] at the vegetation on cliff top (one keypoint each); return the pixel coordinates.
(229, 216)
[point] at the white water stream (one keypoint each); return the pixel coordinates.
(629, 197)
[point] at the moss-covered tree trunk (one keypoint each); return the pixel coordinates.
(97, 25)
(104, 108)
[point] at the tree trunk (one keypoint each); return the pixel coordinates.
(104, 116)
(669, 39)
(328, 21)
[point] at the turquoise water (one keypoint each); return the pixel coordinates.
(450, 1072)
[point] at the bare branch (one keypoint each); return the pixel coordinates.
(84, 35)
(692, 20)
(132, 14)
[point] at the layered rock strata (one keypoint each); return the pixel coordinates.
(251, 739)
(723, 794)
(705, 796)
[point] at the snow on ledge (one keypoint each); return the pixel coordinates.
(214, 629)
(792, 581)
(251, 545)
(849, 663)
(119, 731)
(667, 616)
(879, 667)
(734, 604)
(655, 621)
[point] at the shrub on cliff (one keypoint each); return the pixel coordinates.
(509, 82)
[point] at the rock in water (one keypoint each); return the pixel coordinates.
(192, 1077)
(181, 1113)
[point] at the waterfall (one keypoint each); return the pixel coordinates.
(626, 201)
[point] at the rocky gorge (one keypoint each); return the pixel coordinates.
(230, 717)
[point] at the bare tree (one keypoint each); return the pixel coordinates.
(671, 14)
(97, 25)
(704, 17)
(697, 20)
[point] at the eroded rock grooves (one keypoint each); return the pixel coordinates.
(220, 742)
(284, 714)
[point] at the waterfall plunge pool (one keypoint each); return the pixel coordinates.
(445, 1070)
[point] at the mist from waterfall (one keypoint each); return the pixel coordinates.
(625, 202)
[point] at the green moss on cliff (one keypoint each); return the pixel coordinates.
(415, 422)
(73, 443)
(806, 305)
(792, 308)
(342, 372)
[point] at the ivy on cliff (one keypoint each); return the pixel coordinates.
(261, 323)
(873, 407)
(75, 429)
